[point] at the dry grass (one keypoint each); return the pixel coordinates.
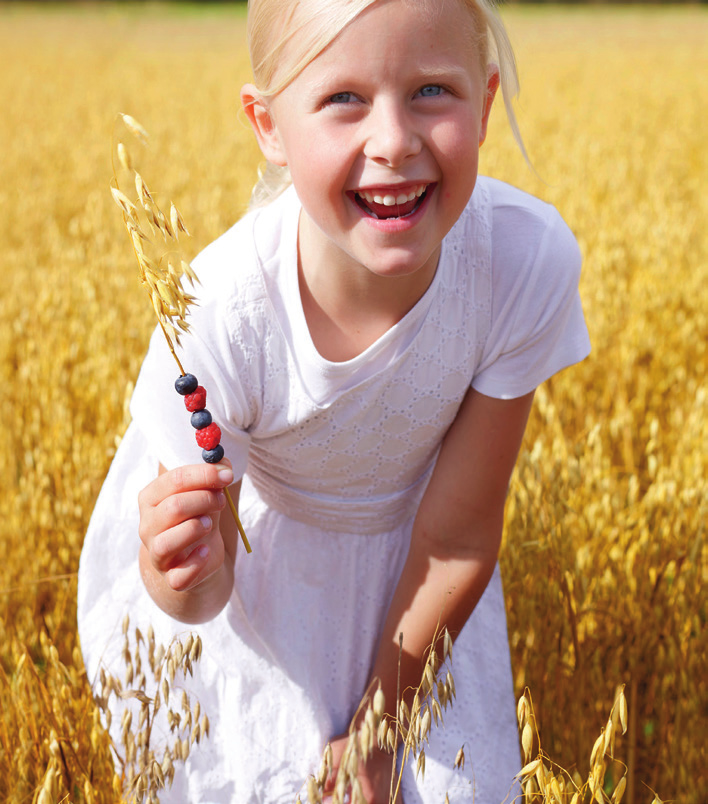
(605, 562)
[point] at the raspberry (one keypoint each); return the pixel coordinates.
(213, 455)
(208, 437)
(195, 400)
(186, 384)
(200, 419)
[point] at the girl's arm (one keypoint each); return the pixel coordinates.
(188, 548)
(454, 548)
(456, 535)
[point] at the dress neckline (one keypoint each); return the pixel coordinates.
(302, 338)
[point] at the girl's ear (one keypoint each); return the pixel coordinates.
(492, 87)
(261, 119)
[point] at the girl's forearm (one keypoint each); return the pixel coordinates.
(438, 589)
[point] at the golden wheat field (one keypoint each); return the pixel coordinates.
(605, 561)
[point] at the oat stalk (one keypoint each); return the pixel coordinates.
(145, 772)
(155, 240)
(371, 726)
(543, 780)
(160, 259)
(430, 698)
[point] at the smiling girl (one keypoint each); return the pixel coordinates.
(370, 340)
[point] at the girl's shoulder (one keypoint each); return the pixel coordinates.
(527, 235)
(523, 217)
(239, 256)
(505, 231)
(536, 323)
(507, 240)
(232, 269)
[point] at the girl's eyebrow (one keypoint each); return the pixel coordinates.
(444, 71)
(332, 82)
(325, 85)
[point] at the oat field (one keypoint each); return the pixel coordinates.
(605, 561)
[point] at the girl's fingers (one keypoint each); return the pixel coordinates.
(198, 564)
(179, 522)
(184, 479)
(184, 508)
(173, 546)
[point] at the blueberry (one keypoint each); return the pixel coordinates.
(213, 455)
(186, 384)
(200, 419)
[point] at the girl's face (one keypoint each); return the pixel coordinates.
(381, 133)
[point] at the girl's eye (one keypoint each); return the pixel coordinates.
(341, 97)
(431, 91)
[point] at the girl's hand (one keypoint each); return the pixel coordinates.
(184, 555)
(374, 776)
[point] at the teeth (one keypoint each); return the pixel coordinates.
(390, 200)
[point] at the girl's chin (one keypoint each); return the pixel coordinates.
(402, 265)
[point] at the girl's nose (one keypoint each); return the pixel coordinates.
(391, 136)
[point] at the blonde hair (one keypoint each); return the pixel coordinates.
(284, 36)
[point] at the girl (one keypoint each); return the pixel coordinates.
(370, 341)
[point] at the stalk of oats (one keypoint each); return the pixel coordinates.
(413, 724)
(144, 773)
(544, 780)
(169, 299)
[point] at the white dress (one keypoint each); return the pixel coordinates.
(337, 456)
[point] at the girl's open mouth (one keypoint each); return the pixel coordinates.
(388, 205)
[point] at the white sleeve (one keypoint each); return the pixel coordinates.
(538, 326)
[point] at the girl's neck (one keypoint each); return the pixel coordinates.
(347, 307)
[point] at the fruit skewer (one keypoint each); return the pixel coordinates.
(208, 433)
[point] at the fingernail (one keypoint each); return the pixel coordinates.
(203, 551)
(206, 522)
(221, 497)
(226, 476)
